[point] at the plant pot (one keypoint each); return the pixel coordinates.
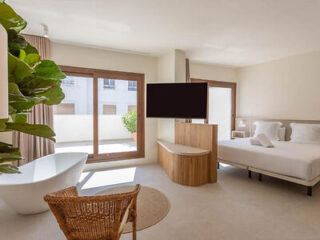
(134, 136)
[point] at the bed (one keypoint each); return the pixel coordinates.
(294, 162)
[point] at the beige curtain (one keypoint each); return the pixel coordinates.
(34, 147)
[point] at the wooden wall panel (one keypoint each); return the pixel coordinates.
(204, 136)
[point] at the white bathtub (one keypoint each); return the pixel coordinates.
(24, 192)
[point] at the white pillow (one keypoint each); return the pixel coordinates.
(305, 133)
(270, 129)
(282, 134)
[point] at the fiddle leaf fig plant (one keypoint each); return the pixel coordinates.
(31, 81)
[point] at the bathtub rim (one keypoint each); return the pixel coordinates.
(84, 157)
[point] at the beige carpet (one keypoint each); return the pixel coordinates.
(152, 206)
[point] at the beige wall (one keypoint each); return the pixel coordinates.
(213, 72)
(103, 59)
(286, 89)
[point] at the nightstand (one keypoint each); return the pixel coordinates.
(238, 134)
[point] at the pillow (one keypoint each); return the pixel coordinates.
(264, 140)
(282, 134)
(270, 129)
(305, 133)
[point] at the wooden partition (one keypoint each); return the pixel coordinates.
(204, 136)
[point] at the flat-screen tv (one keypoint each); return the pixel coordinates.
(177, 100)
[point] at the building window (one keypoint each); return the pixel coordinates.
(132, 85)
(132, 108)
(64, 108)
(67, 82)
(109, 109)
(109, 84)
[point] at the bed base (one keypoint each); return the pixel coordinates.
(308, 184)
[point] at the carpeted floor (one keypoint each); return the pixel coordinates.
(235, 208)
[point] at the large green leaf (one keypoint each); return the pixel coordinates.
(54, 96)
(12, 156)
(3, 122)
(32, 129)
(32, 58)
(35, 85)
(47, 69)
(19, 117)
(16, 38)
(7, 152)
(9, 19)
(14, 93)
(8, 168)
(12, 110)
(22, 107)
(18, 102)
(18, 68)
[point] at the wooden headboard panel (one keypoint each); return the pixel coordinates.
(247, 124)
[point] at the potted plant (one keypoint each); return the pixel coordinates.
(31, 81)
(130, 122)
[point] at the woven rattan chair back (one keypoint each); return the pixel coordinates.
(101, 217)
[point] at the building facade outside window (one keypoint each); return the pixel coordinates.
(132, 86)
(109, 84)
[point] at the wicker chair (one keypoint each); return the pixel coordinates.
(94, 217)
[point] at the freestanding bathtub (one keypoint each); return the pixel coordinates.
(24, 192)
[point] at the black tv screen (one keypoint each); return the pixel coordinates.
(177, 100)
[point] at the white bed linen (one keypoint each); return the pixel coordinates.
(286, 158)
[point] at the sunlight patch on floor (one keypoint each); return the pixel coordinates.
(109, 177)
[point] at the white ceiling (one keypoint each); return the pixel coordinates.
(228, 32)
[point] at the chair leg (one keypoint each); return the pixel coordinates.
(260, 177)
(309, 191)
(249, 174)
(134, 223)
(134, 230)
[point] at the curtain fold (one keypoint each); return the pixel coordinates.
(32, 147)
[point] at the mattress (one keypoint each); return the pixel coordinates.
(290, 159)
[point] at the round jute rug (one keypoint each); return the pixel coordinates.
(152, 206)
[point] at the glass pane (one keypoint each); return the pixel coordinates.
(220, 111)
(73, 118)
(117, 100)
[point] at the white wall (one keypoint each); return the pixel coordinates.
(102, 59)
(166, 74)
(286, 89)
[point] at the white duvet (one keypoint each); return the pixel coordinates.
(286, 158)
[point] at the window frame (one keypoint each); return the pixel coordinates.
(118, 75)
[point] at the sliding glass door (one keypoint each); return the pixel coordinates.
(220, 110)
(73, 117)
(102, 114)
(117, 99)
(221, 107)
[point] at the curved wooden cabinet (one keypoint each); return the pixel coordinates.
(184, 165)
(192, 159)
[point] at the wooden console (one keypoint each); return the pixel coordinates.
(192, 159)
